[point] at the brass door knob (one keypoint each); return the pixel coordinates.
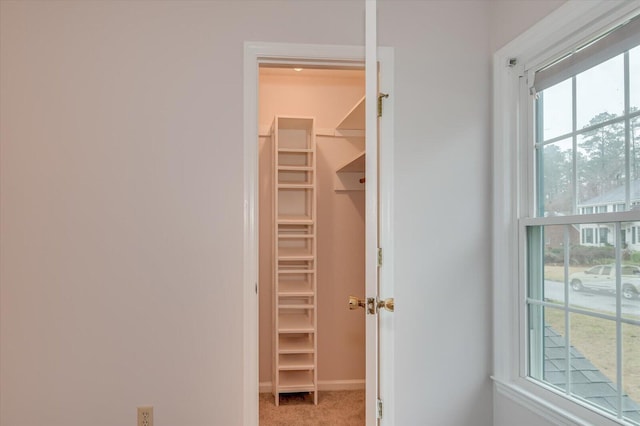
(355, 303)
(387, 304)
(371, 305)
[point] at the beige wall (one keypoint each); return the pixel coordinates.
(121, 197)
(327, 96)
(121, 203)
(511, 18)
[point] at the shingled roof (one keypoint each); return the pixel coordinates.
(587, 382)
(616, 195)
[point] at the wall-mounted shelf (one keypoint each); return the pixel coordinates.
(356, 164)
(350, 176)
(355, 119)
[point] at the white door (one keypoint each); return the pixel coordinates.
(379, 256)
(379, 162)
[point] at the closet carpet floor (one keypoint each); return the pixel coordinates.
(335, 408)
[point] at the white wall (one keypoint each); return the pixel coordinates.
(121, 204)
(121, 195)
(511, 18)
(508, 20)
(442, 201)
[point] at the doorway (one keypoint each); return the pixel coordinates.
(256, 53)
(332, 99)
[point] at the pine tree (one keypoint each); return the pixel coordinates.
(602, 166)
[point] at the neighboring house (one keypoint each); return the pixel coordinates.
(612, 201)
(554, 236)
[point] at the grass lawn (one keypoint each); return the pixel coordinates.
(556, 273)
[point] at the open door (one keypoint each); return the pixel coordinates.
(379, 257)
(378, 246)
(378, 303)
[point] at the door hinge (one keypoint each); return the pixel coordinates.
(379, 256)
(379, 408)
(256, 288)
(380, 97)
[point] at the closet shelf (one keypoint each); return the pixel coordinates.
(356, 164)
(295, 288)
(296, 271)
(295, 344)
(294, 220)
(297, 381)
(293, 251)
(296, 306)
(295, 186)
(295, 323)
(296, 257)
(294, 254)
(350, 176)
(295, 168)
(355, 119)
(296, 362)
(286, 236)
(296, 150)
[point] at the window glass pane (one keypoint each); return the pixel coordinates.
(556, 186)
(535, 243)
(593, 360)
(592, 277)
(601, 167)
(634, 78)
(631, 372)
(591, 349)
(600, 92)
(634, 155)
(557, 238)
(631, 272)
(556, 106)
(555, 348)
(535, 328)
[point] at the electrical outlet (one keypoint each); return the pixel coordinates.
(145, 416)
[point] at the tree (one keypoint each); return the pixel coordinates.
(557, 178)
(602, 166)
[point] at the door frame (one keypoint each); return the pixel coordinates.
(256, 53)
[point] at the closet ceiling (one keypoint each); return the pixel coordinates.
(313, 72)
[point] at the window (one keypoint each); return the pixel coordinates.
(567, 146)
(587, 235)
(582, 339)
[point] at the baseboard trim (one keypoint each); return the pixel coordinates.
(325, 385)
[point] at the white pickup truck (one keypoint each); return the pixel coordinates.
(603, 277)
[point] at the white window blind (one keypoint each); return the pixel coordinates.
(613, 43)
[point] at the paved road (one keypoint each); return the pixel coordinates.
(601, 301)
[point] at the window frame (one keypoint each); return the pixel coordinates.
(572, 24)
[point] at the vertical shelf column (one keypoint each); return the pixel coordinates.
(295, 257)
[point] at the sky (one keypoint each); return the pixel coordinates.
(599, 89)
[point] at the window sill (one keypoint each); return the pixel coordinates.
(551, 405)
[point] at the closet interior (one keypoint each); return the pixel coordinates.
(312, 213)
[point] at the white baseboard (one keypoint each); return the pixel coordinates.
(325, 385)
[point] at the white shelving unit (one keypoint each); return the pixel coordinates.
(350, 176)
(295, 359)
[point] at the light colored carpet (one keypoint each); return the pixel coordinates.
(335, 408)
